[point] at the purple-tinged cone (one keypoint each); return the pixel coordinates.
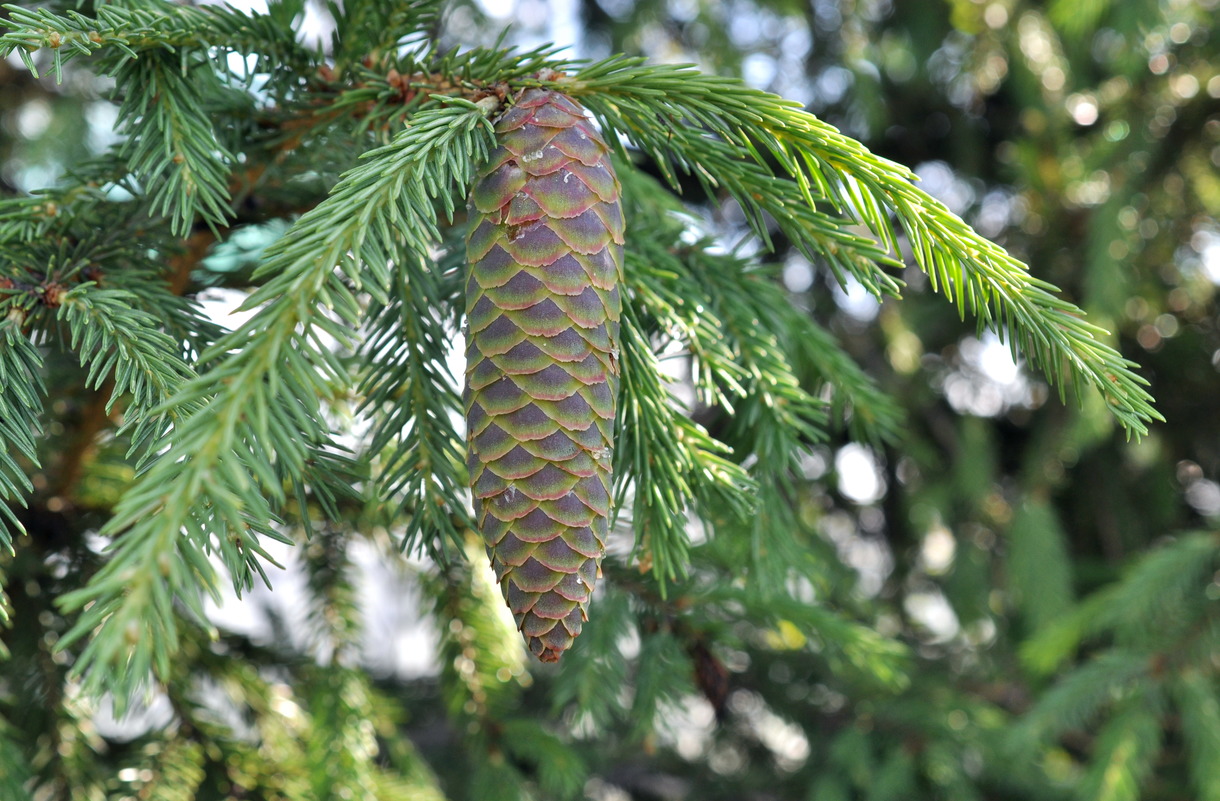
(542, 308)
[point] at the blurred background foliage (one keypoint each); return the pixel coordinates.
(1007, 600)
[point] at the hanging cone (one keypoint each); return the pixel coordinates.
(542, 308)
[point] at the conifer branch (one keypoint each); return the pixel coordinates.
(745, 339)
(168, 64)
(670, 459)
(340, 708)
(214, 488)
(14, 768)
(370, 28)
(23, 219)
(82, 203)
(867, 411)
(21, 391)
(476, 655)
(769, 417)
(1126, 749)
(124, 351)
(414, 404)
(228, 438)
(133, 31)
(1159, 595)
(177, 157)
(775, 415)
(827, 166)
(112, 338)
(558, 769)
(177, 772)
(766, 199)
(334, 614)
(598, 664)
(736, 340)
(481, 658)
(1081, 696)
(849, 646)
(669, 670)
(1198, 702)
(1039, 566)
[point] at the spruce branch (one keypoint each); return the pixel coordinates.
(559, 770)
(483, 648)
(869, 413)
(1198, 702)
(132, 31)
(769, 418)
(177, 156)
(1163, 590)
(849, 646)
(487, 67)
(978, 275)
(334, 613)
(163, 291)
(177, 769)
(733, 320)
(214, 488)
(764, 198)
(1126, 750)
(23, 219)
(598, 663)
(340, 707)
(666, 674)
(1081, 696)
(21, 392)
(775, 416)
(127, 356)
(728, 316)
(83, 204)
(369, 29)
(385, 93)
(1057, 641)
(670, 460)
(134, 329)
(15, 770)
(112, 338)
(169, 64)
(746, 341)
(667, 279)
(1038, 564)
(1158, 599)
(671, 309)
(410, 393)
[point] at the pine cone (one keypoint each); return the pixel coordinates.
(542, 307)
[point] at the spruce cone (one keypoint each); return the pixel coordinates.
(542, 308)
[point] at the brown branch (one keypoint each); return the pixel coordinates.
(181, 265)
(80, 452)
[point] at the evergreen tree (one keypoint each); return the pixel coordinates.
(156, 461)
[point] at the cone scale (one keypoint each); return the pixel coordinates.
(545, 254)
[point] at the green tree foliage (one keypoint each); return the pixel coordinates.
(860, 552)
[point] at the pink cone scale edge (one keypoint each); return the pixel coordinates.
(545, 252)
